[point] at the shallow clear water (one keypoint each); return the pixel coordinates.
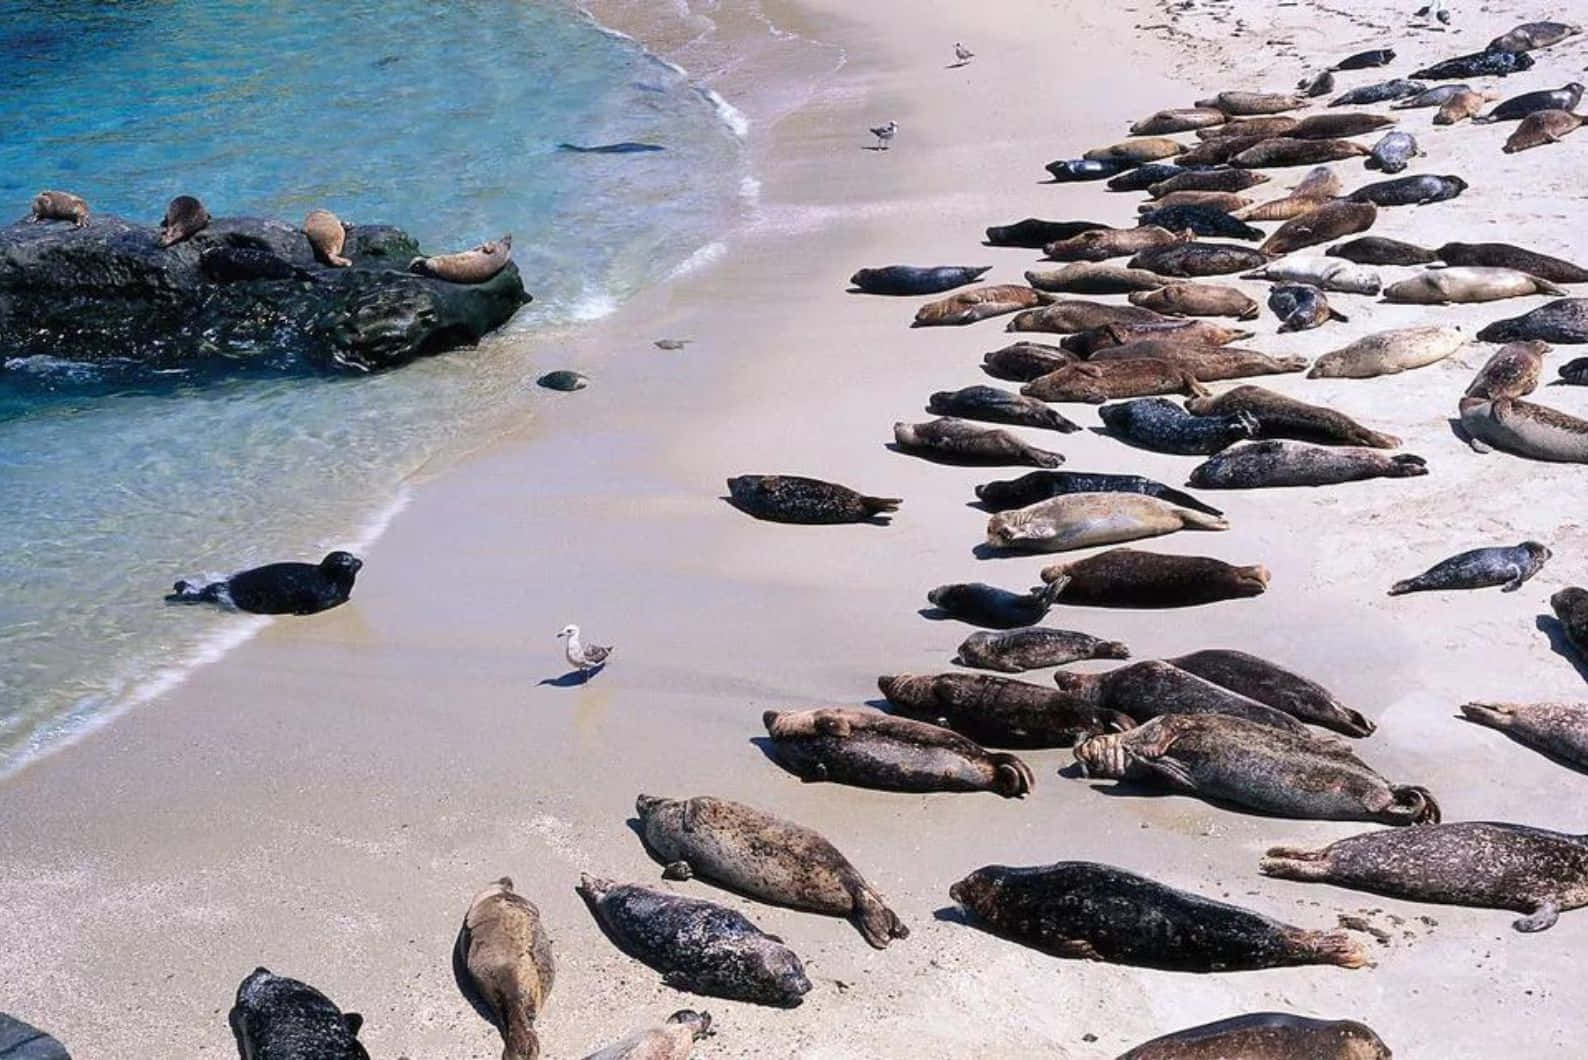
(443, 118)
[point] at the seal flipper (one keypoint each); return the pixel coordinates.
(1413, 805)
(678, 870)
(1516, 581)
(354, 1021)
(880, 505)
(1012, 778)
(878, 924)
(1541, 919)
(1407, 465)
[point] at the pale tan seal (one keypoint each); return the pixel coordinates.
(1208, 364)
(1179, 329)
(1147, 149)
(1081, 520)
(183, 217)
(672, 1040)
(1094, 277)
(979, 303)
(1177, 120)
(1459, 107)
(1288, 151)
(1512, 372)
(1197, 300)
(1101, 244)
(59, 206)
(1524, 429)
(1107, 380)
(467, 266)
(1389, 352)
(327, 235)
(1245, 103)
(504, 949)
(1467, 283)
(1325, 273)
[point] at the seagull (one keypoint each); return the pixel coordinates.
(962, 53)
(884, 134)
(583, 657)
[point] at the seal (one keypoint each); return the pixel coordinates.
(1324, 273)
(1137, 152)
(768, 858)
(1140, 178)
(1081, 520)
(1219, 150)
(184, 216)
(1571, 609)
(1024, 361)
(1159, 424)
(59, 206)
(1381, 92)
(978, 303)
(21, 1041)
(1410, 191)
(1467, 283)
(1104, 243)
(1559, 730)
(1524, 429)
(1034, 233)
(989, 606)
(1198, 259)
(1205, 363)
(1337, 126)
(1223, 201)
(1279, 416)
(810, 501)
(277, 1018)
(1376, 250)
(1564, 320)
(673, 1040)
(1245, 103)
(913, 279)
(1230, 760)
(1074, 314)
(1575, 372)
(1288, 151)
(1366, 60)
(1301, 307)
(1267, 1036)
(1278, 462)
(278, 588)
(1087, 911)
(1320, 185)
(1273, 685)
(563, 379)
(960, 441)
(1265, 126)
(1069, 170)
(1183, 119)
(467, 266)
(1459, 107)
(1319, 225)
(1147, 689)
(1037, 486)
(1088, 277)
(1202, 220)
(1506, 256)
(868, 749)
(327, 235)
(1034, 648)
(1477, 64)
(503, 948)
(1394, 152)
(1532, 35)
(229, 264)
(1319, 84)
(1127, 577)
(1474, 863)
(1566, 97)
(1512, 372)
(1437, 96)
(698, 946)
(998, 406)
(1175, 330)
(1389, 352)
(1197, 300)
(999, 711)
(1229, 180)
(1541, 128)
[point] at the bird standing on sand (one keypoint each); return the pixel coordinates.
(962, 53)
(884, 134)
(1437, 10)
(583, 657)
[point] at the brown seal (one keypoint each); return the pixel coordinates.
(183, 217)
(1571, 609)
(1459, 107)
(1179, 120)
(1246, 103)
(1094, 277)
(979, 303)
(1197, 300)
(1128, 577)
(1208, 364)
(1267, 1036)
(1014, 651)
(672, 1040)
(504, 949)
(959, 440)
(1338, 125)
(999, 711)
(59, 206)
(1267, 125)
(1288, 151)
(1540, 128)
(1329, 221)
(1147, 149)
(1512, 372)
(1218, 150)
(1271, 684)
(1281, 416)
(1105, 381)
(1022, 362)
(1208, 180)
(1202, 332)
(467, 266)
(1103, 243)
(327, 235)
(1074, 314)
(1149, 688)
(1227, 201)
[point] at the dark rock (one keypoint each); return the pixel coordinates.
(18, 1041)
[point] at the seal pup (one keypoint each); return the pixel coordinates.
(1230, 760)
(1477, 64)
(1161, 425)
(1198, 259)
(1301, 307)
(1480, 568)
(987, 605)
(1566, 97)
(697, 945)
(1467, 283)
(1241, 104)
(1075, 314)
(1532, 35)
(1037, 486)
(467, 266)
(1376, 250)
(1022, 362)
(1197, 300)
(327, 235)
(1459, 107)
(1148, 689)
(979, 303)
(1015, 651)
(59, 206)
(1472, 863)
(1102, 244)
(1571, 609)
(1070, 170)
(1320, 225)
(809, 501)
(1202, 220)
(1512, 372)
(1290, 151)
(1144, 149)
(1034, 233)
(1506, 256)
(184, 216)
(1389, 352)
(1081, 520)
(1393, 152)
(1127, 577)
(1319, 84)
(869, 749)
(672, 1040)
(1087, 911)
(913, 279)
(1324, 273)
(1540, 128)
(999, 711)
(1267, 1036)
(503, 947)
(21, 1041)
(999, 406)
(963, 441)
(564, 379)
(1088, 277)
(277, 1018)
(1564, 320)
(1280, 416)
(1279, 462)
(1271, 684)
(1183, 119)
(1224, 180)
(754, 853)
(1380, 92)
(1105, 380)
(278, 588)
(1559, 730)
(1524, 429)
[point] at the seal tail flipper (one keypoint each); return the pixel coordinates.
(1413, 805)
(1541, 919)
(1378, 440)
(1012, 778)
(1492, 715)
(1406, 465)
(519, 1040)
(185, 592)
(880, 505)
(1545, 287)
(1357, 723)
(1410, 585)
(1294, 863)
(878, 924)
(1112, 649)
(1194, 520)
(1333, 947)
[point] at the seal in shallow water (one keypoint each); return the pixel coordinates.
(999, 711)
(279, 588)
(986, 605)
(1279, 416)
(467, 266)
(183, 217)
(59, 206)
(998, 406)
(1014, 651)
(277, 1018)
(1037, 486)
(1271, 684)
(796, 499)
(1559, 730)
(507, 957)
(1266, 1036)
(1081, 520)
(1150, 688)
(1128, 577)
(1277, 462)
(912, 279)
(672, 1040)
(964, 442)
(327, 235)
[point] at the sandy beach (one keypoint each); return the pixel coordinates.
(325, 800)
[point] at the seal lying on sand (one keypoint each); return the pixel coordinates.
(1389, 352)
(1575, 372)
(1319, 84)
(1140, 178)
(1506, 256)
(1531, 35)
(1266, 1036)
(979, 303)
(1102, 244)
(467, 266)
(1197, 300)
(1559, 730)
(1090, 277)
(1459, 107)
(1243, 103)
(963, 441)
(1571, 608)
(1198, 259)
(1317, 188)
(1175, 329)
(1512, 372)
(1279, 416)
(1418, 190)
(1524, 429)
(752, 852)
(1183, 119)
(873, 750)
(1288, 151)
(1150, 688)
(673, 1040)
(1084, 910)
(1034, 648)
(1068, 170)
(1034, 233)
(1480, 568)
(1542, 128)
(278, 588)
(1025, 361)
(1127, 577)
(1335, 126)
(1105, 380)
(912, 279)
(1475, 863)
(1228, 759)
(1202, 220)
(277, 1018)
(1467, 283)
(1379, 92)
(504, 949)
(1393, 152)
(1139, 150)
(1271, 684)
(1477, 64)
(1301, 307)
(795, 499)
(1040, 485)
(184, 217)
(1081, 520)
(1277, 462)
(986, 605)
(1437, 96)
(1205, 363)
(999, 711)
(1228, 180)
(59, 206)
(1516, 108)
(1329, 221)
(1376, 250)
(1324, 273)
(327, 235)
(1076, 314)
(698, 946)
(998, 406)
(1564, 320)
(1161, 425)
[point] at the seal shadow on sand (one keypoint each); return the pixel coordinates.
(880, 519)
(1550, 626)
(465, 982)
(573, 678)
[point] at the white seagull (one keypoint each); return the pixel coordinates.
(583, 657)
(884, 134)
(962, 53)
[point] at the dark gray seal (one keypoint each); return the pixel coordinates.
(752, 852)
(999, 406)
(1393, 152)
(1301, 307)
(278, 588)
(506, 956)
(1266, 1036)
(1279, 416)
(698, 946)
(1143, 177)
(1410, 191)
(228, 264)
(1014, 651)
(1034, 233)
(1147, 689)
(1087, 911)
(1381, 92)
(1037, 486)
(1022, 362)
(1433, 97)
(184, 217)
(1072, 170)
(1376, 250)
(913, 279)
(986, 605)
(1203, 220)
(1531, 35)
(1507, 256)
(1571, 608)
(869, 749)
(999, 711)
(1280, 462)
(1477, 64)
(1559, 730)
(1480, 568)
(1575, 372)
(1566, 97)
(1273, 685)
(1159, 424)
(1366, 60)
(961, 441)
(672, 1040)
(1128, 577)
(1565, 320)
(277, 1018)
(564, 379)
(19, 1041)
(1474, 863)
(1199, 259)
(1207, 180)
(810, 501)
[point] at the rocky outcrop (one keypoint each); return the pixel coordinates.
(107, 293)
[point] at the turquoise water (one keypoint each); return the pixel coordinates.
(442, 118)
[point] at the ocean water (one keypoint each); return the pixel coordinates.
(443, 118)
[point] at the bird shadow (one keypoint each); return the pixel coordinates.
(874, 147)
(956, 66)
(1560, 644)
(573, 678)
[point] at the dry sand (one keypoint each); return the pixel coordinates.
(326, 799)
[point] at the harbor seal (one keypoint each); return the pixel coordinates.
(1241, 104)
(1533, 35)
(1070, 170)
(1183, 119)
(1524, 429)
(809, 501)
(1473, 863)
(278, 588)
(20, 1041)
(1480, 568)
(1376, 250)
(1095, 383)
(1410, 191)
(1393, 152)
(1320, 225)
(672, 1040)
(1147, 689)
(1075, 314)
(1128, 577)
(697, 945)
(1301, 307)
(1322, 272)
(978, 303)
(1083, 910)
(768, 858)
(1218, 150)
(913, 279)
(1566, 97)
(1176, 330)
(1366, 60)
(475, 265)
(1200, 220)
(1137, 151)
(277, 1018)
(1467, 283)
(1435, 97)
(503, 948)
(1015, 651)
(1034, 233)
(184, 217)
(59, 206)
(960, 441)
(1279, 462)
(1280, 416)
(985, 605)
(1306, 196)
(1267, 1036)
(1339, 126)
(1541, 128)
(1559, 730)
(1380, 92)
(1389, 352)
(1161, 425)
(1198, 259)
(1571, 610)
(1272, 685)
(998, 406)
(1037, 486)
(1140, 178)
(869, 749)
(1267, 125)
(1230, 760)
(1022, 362)
(1104, 243)
(1225, 180)
(1088, 277)
(1564, 320)
(1477, 64)
(1205, 363)
(1081, 520)
(1506, 256)
(1197, 300)
(229, 264)
(1512, 372)
(1319, 84)
(1459, 107)
(1289, 151)
(1575, 372)
(327, 235)
(999, 711)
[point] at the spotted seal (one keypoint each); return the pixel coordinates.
(1040, 485)
(1327, 222)
(1225, 180)
(1389, 352)
(986, 605)
(1289, 151)
(1244, 103)
(1267, 1036)
(1202, 220)
(1150, 688)
(1069, 170)
(998, 406)
(1564, 320)
(1022, 362)
(564, 379)
(59, 206)
(1542, 128)
(811, 501)
(475, 265)
(277, 1018)
(1434, 97)
(327, 235)
(673, 1040)
(506, 956)
(999, 711)
(1033, 233)
(1512, 372)
(1467, 283)
(1182, 119)
(961, 441)
(1015, 651)
(1417, 190)
(1088, 277)
(1198, 259)
(1075, 314)
(1280, 416)
(1219, 150)
(1477, 64)
(1279, 462)
(1127, 577)
(1197, 300)
(1322, 272)
(1524, 429)
(1379, 92)
(1271, 684)
(1104, 243)
(1507, 256)
(1102, 381)
(1376, 250)
(979, 303)
(1205, 363)
(1140, 178)
(278, 588)
(1559, 730)
(184, 217)
(1161, 425)
(915, 279)
(1393, 152)
(1533, 35)
(21, 1041)
(1302, 307)
(1081, 520)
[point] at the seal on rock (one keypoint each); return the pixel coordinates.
(999, 711)
(1127, 577)
(1376, 250)
(184, 217)
(1559, 730)
(1524, 429)
(672, 1040)
(811, 501)
(1301, 307)
(1564, 320)
(1102, 381)
(1512, 372)
(1541, 128)
(1197, 300)
(1198, 259)
(979, 303)
(1037, 486)
(1266, 1036)
(1245, 103)
(59, 206)
(1015, 651)
(1161, 425)
(914, 279)
(1380, 92)
(1289, 151)
(1278, 462)
(1532, 35)
(1506, 256)
(1467, 283)
(278, 588)
(1389, 352)
(1393, 152)
(1147, 689)
(1477, 64)
(1271, 684)
(962, 441)
(1104, 243)
(327, 235)
(277, 1018)
(1022, 362)
(1324, 273)
(998, 406)
(475, 265)
(1280, 416)
(1328, 221)
(503, 949)
(1081, 520)
(1034, 233)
